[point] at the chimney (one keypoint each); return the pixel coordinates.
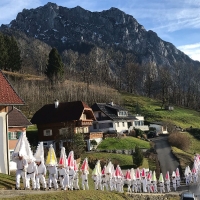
(56, 101)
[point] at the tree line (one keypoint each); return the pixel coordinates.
(108, 68)
(10, 54)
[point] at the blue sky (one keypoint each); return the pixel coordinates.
(175, 21)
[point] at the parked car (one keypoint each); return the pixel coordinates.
(151, 134)
(188, 196)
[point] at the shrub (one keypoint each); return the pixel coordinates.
(138, 157)
(138, 132)
(179, 140)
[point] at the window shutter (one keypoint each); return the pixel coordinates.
(18, 134)
(9, 135)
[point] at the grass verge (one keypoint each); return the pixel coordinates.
(123, 143)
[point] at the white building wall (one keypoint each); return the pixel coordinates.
(3, 144)
(123, 126)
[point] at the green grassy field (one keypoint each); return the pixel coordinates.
(123, 143)
(124, 161)
(151, 109)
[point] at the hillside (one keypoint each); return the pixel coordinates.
(151, 109)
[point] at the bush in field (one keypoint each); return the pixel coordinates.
(179, 140)
(138, 157)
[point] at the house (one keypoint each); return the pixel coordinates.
(160, 127)
(8, 97)
(17, 123)
(54, 119)
(114, 118)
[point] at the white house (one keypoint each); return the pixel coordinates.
(114, 118)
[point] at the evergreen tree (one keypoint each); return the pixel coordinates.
(3, 52)
(55, 68)
(13, 59)
(138, 157)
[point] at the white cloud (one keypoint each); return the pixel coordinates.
(192, 50)
(10, 8)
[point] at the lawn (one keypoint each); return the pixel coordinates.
(151, 109)
(123, 143)
(124, 161)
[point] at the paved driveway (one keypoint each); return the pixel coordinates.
(168, 161)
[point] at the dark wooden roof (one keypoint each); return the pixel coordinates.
(68, 111)
(8, 95)
(17, 118)
(111, 111)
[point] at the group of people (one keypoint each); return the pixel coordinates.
(33, 168)
(65, 173)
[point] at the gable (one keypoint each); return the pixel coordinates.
(8, 95)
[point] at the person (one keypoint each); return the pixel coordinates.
(66, 180)
(174, 182)
(76, 181)
(134, 185)
(144, 184)
(61, 175)
(21, 169)
(53, 173)
(31, 172)
(40, 175)
(96, 181)
(84, 177)
(71, 177)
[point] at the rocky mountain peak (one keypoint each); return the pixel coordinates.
(63, 28)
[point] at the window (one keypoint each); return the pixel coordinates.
(122, 123)
(62, 131)
(117, 124)
(13, 135)
(111, 125)
(47, 132)
(123, 113)
(94, 126)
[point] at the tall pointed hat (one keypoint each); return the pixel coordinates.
(149, 175)
(133, 174)
(51, 157)
(128, 175)
(84, 166)
(109, 168)
(154, 176)
(103, 172)
(173, 174)
(177, 172)
(117, 171)
(22, 147)
(167, 178)
(143, 173)
(98, 166)
(39, 154)
(95, 171)
(62, 160)
(70, 159)
(161, 179)
(137, 174)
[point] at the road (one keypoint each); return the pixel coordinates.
(168, 161)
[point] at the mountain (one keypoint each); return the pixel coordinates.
(80, 30)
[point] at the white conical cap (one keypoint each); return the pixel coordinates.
(23, 147)
(28, 150)
(39, 154)
(109, 168)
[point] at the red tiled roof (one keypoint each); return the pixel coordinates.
(67, 111)
(17, 118)
(8, 95)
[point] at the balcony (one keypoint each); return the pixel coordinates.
(87, 122)
(93, 135)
